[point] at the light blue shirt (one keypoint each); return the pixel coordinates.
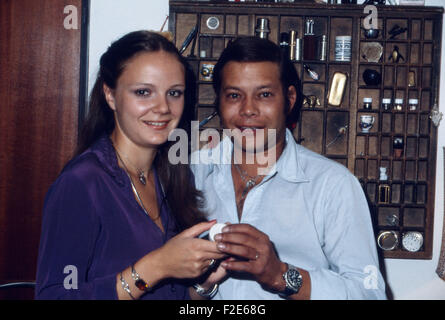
(313, 210)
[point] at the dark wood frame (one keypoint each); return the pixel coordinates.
(84, 46)
(189, 13)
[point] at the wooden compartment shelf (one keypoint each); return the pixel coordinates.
(402, 139)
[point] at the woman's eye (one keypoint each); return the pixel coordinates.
(266, 94)
(142, 92)
(176, 93)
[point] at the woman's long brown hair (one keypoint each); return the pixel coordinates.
(184, 200)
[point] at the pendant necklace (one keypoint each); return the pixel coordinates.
(249, 181)
(140, 172)
(135, 191)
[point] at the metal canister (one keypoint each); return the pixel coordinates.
(298, 49)
(323, 48)
(262, 28)
(292, 44)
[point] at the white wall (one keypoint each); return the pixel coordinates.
(408, 279)
(111, 19)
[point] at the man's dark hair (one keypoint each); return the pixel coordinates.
(254, 49)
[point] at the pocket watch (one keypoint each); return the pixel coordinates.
(412, 241)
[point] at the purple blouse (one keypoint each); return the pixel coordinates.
(93, 224)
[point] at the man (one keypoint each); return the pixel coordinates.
(299, 228)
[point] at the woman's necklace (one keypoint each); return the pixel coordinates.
(134, 187)
(141, 173)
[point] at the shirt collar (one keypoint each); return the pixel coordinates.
(104, 151)
(287, 167)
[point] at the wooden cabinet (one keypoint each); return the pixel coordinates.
(395, 158)
(42, 94)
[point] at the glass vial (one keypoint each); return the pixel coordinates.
(367, 103)
(386, 104)
(309, 41)
(384, 191)
(398, 105)
(412, 104)
(284, 43)
(398, 146)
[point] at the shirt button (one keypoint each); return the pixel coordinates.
(173, 289)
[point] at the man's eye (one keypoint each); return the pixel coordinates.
(233, 95)
(142, 92)
(266, 94)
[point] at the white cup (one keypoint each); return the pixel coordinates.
(366, 122)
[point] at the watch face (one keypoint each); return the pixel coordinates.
(412, 241)
(294, 279)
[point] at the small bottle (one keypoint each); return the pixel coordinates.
(383, 174)
(384, 191)
(309, 41)
(314, 75)
(398, 145)
(412, 104)
(386, 104)
(398, 105)
(367, 103)
(284, 43)
(323, 48)
(384, 188)
(262, 28)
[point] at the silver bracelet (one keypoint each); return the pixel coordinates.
(206, 293)
(138, 282)
(126, 287)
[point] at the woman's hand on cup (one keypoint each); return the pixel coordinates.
(186, 256)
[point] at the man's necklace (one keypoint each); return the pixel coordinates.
(248, 180)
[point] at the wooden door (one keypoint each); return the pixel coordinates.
(40, 68)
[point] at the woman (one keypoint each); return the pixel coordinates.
(111, 220)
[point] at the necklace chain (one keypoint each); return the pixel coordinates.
(247, 179)
(140, 172)
(134, 187)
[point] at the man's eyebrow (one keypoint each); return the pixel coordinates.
(231, 88)
(266, 86)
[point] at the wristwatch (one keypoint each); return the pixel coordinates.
(293, 279)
